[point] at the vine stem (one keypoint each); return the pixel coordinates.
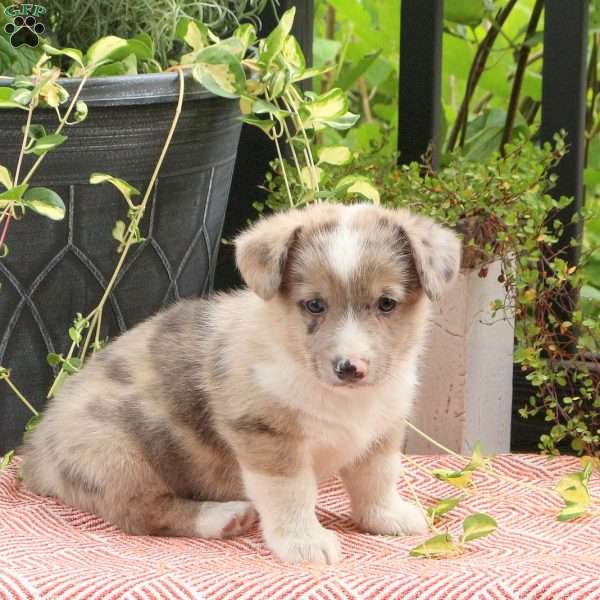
(60, 127)
(22, 398)
(486, 468)
(285, 178)
(417, 501)
(94, 314)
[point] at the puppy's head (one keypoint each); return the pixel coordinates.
(353, 282)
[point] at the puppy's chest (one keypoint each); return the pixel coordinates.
(338, 442)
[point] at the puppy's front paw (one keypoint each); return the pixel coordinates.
(320, 546)
(400, 518)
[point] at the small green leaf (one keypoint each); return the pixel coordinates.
(72, 365)
(335, 155)
(571, 511)
(107, 48)
(6, 100)
(13, 194)
(478, 525)
(311, 176)
(439, 545)
(142, 46)
(459, 479)
(118, 231)
(81, 111)
(33, 423)
(220, 72)
(477, 458)
(443, 506)
(464, 12)
(265, 124)
(53, 359)
(72, 53)
(45, 202)
(47, 143)
(6, 459)
(126, 189)
(6, 177)
(358, 184)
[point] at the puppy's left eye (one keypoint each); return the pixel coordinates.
(315, 306)
(386, 304)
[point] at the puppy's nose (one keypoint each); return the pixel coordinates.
(350, 368)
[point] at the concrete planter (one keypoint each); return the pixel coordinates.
(465, 391)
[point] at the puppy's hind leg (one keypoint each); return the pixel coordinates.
(169, 515)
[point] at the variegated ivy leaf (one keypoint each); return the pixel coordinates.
(6, 100)
(274, 42)
(194, 33)
(437, 546)
(246, 34)
(478, 525)
(220, 72)
(45, 202)
(342, 122)
(293, 56)
(81, 111)
(22, 96)
(47, 143)
(106, 49)
(335, 155)
(126, 189)
(72, 53)
(330, 105)
(357, 184)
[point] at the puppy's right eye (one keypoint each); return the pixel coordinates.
(315, 306)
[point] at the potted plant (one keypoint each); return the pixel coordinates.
(173, 135)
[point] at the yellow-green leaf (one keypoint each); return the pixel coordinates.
(6, 100)
(47, 143)
(45, 202)
(441, 507)
(478, 525)
(274, 42)
(126, 189)
(110, 47)
(311, 176)
(437, 546)
(194, 33)
(357, 184)
(13, 194)
(477, 458)
(5, 177)
(72, 53)
(459, 479)
(335, 155)
(571, 511)
(6, 459)
(573, 489)
(220, 72)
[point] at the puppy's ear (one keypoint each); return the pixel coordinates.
(261, 252)
(436, 251)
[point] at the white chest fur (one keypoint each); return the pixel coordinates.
(339, 425)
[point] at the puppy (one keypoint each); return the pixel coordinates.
(215, 410)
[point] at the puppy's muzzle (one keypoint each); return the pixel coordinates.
(350, 369)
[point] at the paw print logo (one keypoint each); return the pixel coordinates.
(24, 31)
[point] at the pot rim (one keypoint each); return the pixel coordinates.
(144, 88)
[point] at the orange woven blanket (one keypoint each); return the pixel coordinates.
(48, 550)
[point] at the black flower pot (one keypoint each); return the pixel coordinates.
(58, 268)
